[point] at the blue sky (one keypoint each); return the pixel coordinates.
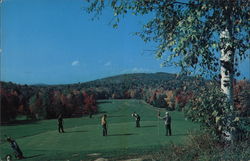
(55, 42)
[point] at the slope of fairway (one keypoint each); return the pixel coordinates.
(41, 141)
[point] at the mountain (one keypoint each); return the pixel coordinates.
(164, 90)
(166, 80)
(141, 80)
(47, 101)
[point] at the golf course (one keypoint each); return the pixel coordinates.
(83, 140)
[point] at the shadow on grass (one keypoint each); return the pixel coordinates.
(180, 134)
(102, 102)
(34, 156)
(117, 116)
(75, 131)
(18, 122)
(127, 134)
(148, 126)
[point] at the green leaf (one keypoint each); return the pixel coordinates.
(215, 113)
(115, 25)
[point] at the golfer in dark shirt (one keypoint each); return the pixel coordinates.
(15, 147)
(60, 123)
(137, 119)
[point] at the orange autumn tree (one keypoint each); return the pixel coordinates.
(89, 102)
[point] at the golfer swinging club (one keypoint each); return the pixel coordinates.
(137, 119)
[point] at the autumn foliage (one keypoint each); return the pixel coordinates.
(160, 90)
(242, 97)
(44, 102)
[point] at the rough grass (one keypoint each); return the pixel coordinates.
(202, 147)
(83, 139)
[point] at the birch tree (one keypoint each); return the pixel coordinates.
(203, 36)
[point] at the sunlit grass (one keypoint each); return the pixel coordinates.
(41, 141)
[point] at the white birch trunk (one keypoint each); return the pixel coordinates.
(227, 66)
(227, 72)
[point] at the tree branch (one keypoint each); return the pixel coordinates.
(188, 4)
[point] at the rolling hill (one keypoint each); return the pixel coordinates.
(148, 80)
(47, 101)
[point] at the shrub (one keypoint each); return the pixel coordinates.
(212, 110)
(203, 147)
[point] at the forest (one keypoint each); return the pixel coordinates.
(163, 90)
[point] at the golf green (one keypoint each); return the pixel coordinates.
(83, 138)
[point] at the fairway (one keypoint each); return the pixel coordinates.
(83, 136)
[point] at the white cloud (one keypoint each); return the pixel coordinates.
(136, 70)
(75, 63)
(139, 70)
(107, 63)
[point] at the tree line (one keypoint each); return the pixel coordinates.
(161, 90)
(44, 102)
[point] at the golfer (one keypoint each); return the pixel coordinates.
(60, 123)
(104, 125)
(137, 119)
(167, 119)
(15, 147)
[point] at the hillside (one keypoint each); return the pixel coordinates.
(134, 79)
(149, 80)
(47, 101)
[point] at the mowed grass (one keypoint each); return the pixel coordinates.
(83, 136)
